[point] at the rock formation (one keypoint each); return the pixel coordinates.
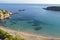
(4, 14)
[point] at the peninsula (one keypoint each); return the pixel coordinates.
(53, 8)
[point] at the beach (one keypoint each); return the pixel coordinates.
(28, 36)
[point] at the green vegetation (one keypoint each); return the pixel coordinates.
(18, 38)
(6, 36)
(0, 15)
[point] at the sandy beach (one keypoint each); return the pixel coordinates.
(28, 36)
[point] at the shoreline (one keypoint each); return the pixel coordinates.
(28, 36)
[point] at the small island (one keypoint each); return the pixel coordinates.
(53, 8)
(4, 14)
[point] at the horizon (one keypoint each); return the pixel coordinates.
(25, 3)
(30, 1)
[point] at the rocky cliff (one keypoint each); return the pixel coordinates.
(4, 14)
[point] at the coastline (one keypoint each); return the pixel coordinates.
(28, 36)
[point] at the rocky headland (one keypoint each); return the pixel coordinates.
(4, 14)
(53, 8)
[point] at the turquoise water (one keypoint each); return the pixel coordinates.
(33, 19)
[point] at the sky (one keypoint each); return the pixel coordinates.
(32, 1)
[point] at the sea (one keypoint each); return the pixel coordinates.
(33, 18)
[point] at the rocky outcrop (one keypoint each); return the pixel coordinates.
(53, 8)
(4, 14)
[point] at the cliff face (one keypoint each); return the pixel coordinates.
(53, 8)
(4, 14)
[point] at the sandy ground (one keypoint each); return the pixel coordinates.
(28, 36)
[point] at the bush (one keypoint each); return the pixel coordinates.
(18, 38)
(6, 36)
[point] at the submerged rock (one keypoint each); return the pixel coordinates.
(30, 22)
(21, 19)
(38, 28)
(35, 22)
(22, 10)
(54, 8)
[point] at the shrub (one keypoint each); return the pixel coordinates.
(6, 36)
(18, 38)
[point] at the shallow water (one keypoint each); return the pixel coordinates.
(33, 19)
